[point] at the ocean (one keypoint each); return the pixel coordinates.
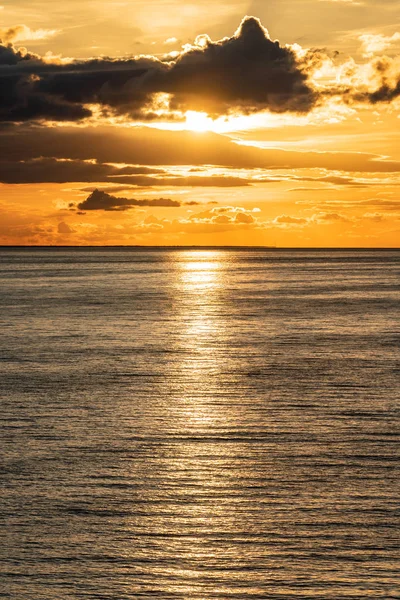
(199, 424)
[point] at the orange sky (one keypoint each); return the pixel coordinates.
(159, 123)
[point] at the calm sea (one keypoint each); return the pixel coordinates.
(199, 424)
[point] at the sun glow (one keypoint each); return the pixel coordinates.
(198, 121)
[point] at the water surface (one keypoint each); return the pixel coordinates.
(201, 425)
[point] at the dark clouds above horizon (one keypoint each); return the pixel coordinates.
(53, 170)
(85, 155)
(154, 122)
(245, 73)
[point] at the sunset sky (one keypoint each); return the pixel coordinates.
(161, 122)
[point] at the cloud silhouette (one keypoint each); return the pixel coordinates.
(52, 170)
(99, 200)
(154, 147)
(247, 72)
(384, 93)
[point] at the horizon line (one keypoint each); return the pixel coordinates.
(194, 246)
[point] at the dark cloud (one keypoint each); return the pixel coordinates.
(34, 89)
(52, 170)
(386, 89)
(21, 96)
(99, 200)
(247, 72)
(11, 56)
(384, 93)
(154, 147)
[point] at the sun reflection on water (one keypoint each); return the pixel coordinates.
(200, 282)
(196, 462)
(200, 270)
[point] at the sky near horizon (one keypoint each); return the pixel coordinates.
(160, 122)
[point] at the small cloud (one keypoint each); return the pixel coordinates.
(171, 40)
(99, 200)
(377, 43)
(244, 218)
(375, 217)
(221, 219)
(64, 229)
(22, 33)
(288, 220)
(332, 217)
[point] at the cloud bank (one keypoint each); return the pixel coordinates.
(247, 72)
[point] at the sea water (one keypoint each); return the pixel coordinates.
(199, 424)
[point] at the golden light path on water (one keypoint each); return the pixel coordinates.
(200, 280)
(203, 464)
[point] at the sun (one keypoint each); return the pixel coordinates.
(198, 121)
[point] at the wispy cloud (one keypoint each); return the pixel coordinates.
(377, 43)
(22, 33)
